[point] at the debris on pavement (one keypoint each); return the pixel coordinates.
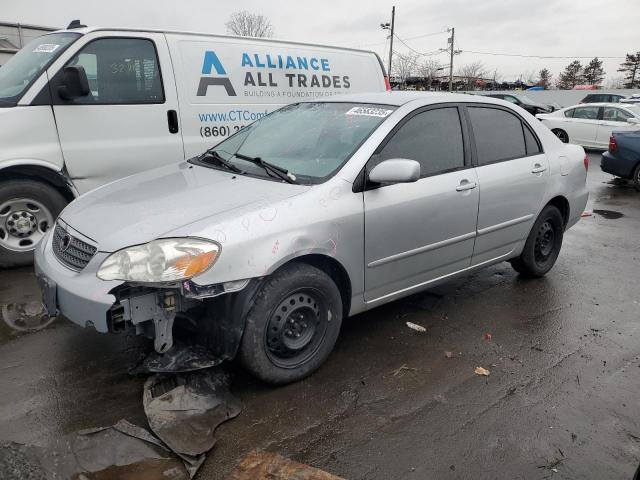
(416, 327)
(123, 451)
(586, 214)
(179, 359)
(270, 466)
(184, 410)
(488, 336)
(448, 354)
(482, 371)
(403, 369)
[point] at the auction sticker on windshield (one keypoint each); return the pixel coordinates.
(369, 112)
(46, 48)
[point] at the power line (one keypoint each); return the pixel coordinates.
(422, 54)
(533, 56)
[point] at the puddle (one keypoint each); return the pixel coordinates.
(608, 214)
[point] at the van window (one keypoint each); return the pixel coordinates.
(432, 138)
(120, 71)
(498, 135)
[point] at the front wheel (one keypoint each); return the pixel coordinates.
(27, 210)
(543, 244)
(561, 134)
(293, 324)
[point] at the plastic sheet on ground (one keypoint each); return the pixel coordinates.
(179, 359)
(270, 466)
(123, 452)
(184, 410)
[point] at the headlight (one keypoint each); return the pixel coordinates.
(165, 260)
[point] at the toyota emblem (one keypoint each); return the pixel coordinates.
(65, 242)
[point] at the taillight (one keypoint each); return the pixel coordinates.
(613, 145)
(387, 85)
(586, 161)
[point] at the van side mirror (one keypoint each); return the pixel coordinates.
(74, 83)
(633, 120)
(397, 170)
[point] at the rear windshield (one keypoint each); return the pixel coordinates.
(310, 140)
(17, 75)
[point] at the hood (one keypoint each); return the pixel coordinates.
(145, 206)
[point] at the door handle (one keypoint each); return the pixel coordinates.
(466, 185)
(537, 168)
(172, 120)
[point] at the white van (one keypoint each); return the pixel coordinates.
(85, 106)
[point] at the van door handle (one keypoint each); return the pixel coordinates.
(466, 185)
(537, 168)
(172, 119)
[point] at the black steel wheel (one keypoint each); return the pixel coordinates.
(292, 325)
(543, 244)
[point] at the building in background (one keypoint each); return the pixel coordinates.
(13, 36)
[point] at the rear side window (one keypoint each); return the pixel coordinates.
(612, 114)
(120, 71)
(531, 144)
(433, 138)
(498, 135)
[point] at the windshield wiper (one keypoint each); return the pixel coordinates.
(270, 168)
(213, 155)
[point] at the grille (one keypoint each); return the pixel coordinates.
(77, 253)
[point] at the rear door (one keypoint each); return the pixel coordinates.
(129, 121)
(420, 231)
(512, 173)
(613, 118)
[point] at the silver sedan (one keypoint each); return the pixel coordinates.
(318, 211)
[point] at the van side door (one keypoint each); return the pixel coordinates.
(417, 232)
(512, 172)
(129, 121)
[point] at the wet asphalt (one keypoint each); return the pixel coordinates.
(562, 399)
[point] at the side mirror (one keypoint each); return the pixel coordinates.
(74, 83)
(397, 170)
(633, 120)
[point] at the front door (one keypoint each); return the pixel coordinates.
(128, 123)
(417, 232)
(583, 126)
(512, 171)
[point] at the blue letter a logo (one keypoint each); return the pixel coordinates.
(212, 60)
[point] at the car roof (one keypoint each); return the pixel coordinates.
(602, 104)
(402, 98)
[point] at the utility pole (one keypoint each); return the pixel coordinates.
(393, 23)
(451, 49)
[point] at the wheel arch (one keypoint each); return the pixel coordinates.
(39, 172)
(562, 204)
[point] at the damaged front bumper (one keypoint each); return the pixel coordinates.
(115, 306)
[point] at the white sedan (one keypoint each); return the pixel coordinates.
(590, 125)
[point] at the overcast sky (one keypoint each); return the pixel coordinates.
(571, 28)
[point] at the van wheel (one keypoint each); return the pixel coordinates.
(561, 134)
(543, 244)
(27, 210)
(293, 324)
(636, 177)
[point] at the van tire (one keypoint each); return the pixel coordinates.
(636, 177)
(542, 246)
(49, 203)
(292, 325)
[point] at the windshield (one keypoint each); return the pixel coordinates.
(24, 68)
(310, 140)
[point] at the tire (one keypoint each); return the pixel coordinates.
(561, 134)
(292, 325)
(27, 210)
(636, 177)
(543, 244)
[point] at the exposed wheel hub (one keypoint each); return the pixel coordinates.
(295, 328)
(23, 222)
(545, 241)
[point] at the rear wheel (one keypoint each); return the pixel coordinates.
(561, 134)
(27, 210)
(292, 326)
(543, 244)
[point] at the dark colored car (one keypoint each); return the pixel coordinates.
(602, 98)
(525, 102)
(623, 157)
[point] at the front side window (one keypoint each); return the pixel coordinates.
(569, 113)
(586, 113)
(310, 140)
(498, 135)
(26, 66)
(432, 138)
(611, 114)
(120, 71)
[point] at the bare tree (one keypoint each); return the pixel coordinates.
(404, 65)
(470, 73)
(247, 24)
(428, 69)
